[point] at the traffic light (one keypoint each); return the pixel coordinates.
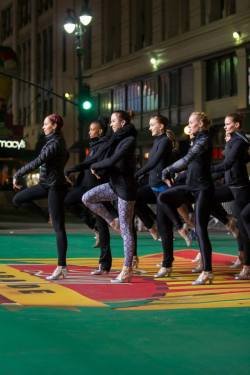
(85, 101)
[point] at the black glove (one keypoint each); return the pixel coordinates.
(166, 175)
(137, 175)
(68, 171)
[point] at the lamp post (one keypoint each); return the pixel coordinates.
(77, 26)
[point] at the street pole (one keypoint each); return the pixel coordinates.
(79, 53)
(78, 28)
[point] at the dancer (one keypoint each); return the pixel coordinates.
(119, 164)
(52, 184)
(86, 181)
(198, 188)
(236, 186)
(160, 156)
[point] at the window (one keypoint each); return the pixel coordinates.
(64, 52)
(213, 10)
(44, 72)
(24, 12)
(175, 17)
(221, 76)
(50, 54)
(186, 85)
(248, 70)
(150, 95)
(6, 24)
(45, 57)
(119, 101)
(111, 30)
(43, 6)
(105, 103)
(38, 58)
(177, 94)
(87, 47)
(140, 24)
(134, 97)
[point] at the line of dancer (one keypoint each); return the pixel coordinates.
(183, 189)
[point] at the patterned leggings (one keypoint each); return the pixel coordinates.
(93, 198)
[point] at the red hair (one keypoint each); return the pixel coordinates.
(56, 119)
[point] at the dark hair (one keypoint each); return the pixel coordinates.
(123, 115)
(102, 122)
(162, 120)
(236, 117)
(170, 134)
(56, 119)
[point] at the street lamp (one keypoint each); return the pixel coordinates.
(78, 26)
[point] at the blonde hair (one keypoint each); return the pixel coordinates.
(203, 118)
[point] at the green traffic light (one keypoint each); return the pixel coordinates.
(87, 105)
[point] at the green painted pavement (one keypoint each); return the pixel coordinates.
(38, 341)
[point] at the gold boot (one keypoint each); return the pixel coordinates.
(205, 277)
(244, 274)
(124, 276)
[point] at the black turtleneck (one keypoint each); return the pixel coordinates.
(159, 158)
(120, 163)
(234, 163)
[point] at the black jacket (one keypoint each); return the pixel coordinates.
(120, 164)
(234, 163)
(197, 162)
(51, 160)
(85, 178)
(159, 157)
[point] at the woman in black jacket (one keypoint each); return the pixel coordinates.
(52, 184)
(86, 181)
(236, 186)
(120, 165)
(198, 188)
(160, 156)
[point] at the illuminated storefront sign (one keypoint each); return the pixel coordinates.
(12, 144)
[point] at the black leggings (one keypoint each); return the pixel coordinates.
(145, 196)
(173, 198)
(56, 209)
(73, 203)
(240, 197)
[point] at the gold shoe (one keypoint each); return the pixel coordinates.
(115, 225)
(163, 271)
(198, 268)
(204, 278)
(124, 276)
(232, 226)
(154, 233)
(135, 262)
(184, 233)
(197, 259)
(59, 273)
(244, 274)
(99, 271)
(97, 239)
(237, 263)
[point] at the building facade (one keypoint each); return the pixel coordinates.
(145, 56)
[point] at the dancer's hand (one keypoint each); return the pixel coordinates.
(95, 174)
(15, 185)
(68, 180)
(169, 182)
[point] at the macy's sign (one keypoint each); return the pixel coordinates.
(12, 144)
